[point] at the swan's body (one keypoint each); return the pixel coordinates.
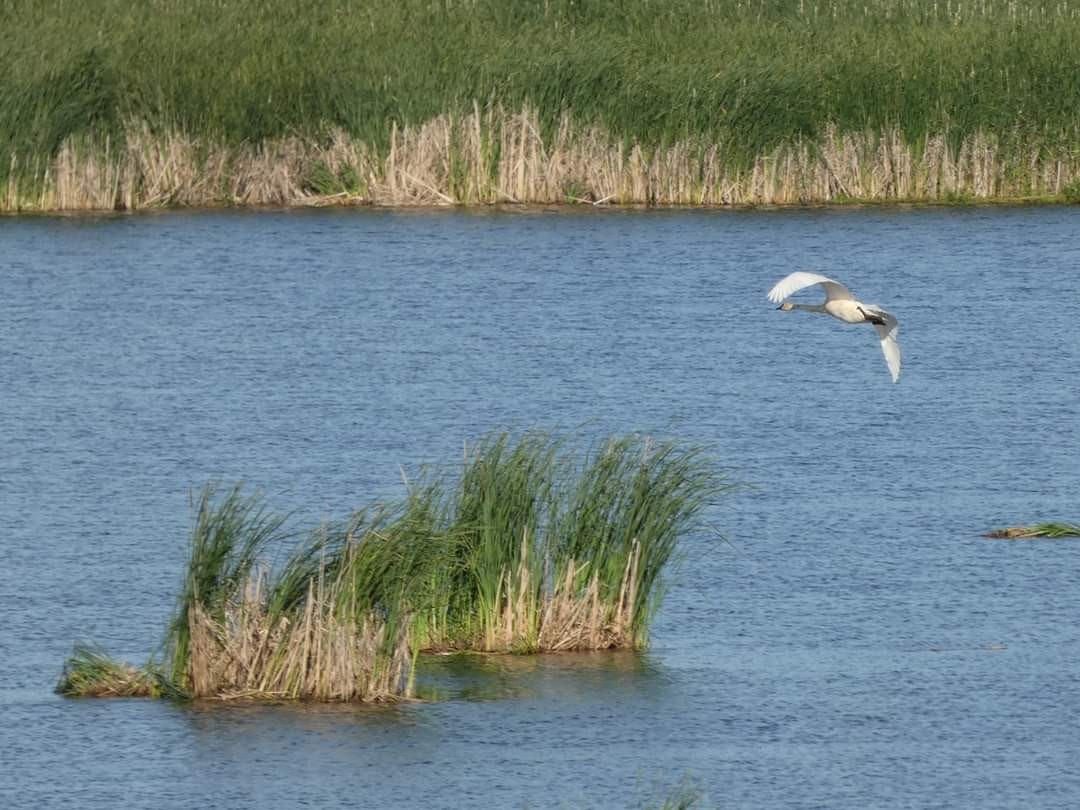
(842, 305)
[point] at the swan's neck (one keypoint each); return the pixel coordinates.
(810, 307)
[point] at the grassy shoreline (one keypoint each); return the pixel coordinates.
(685, 102)
(490, 157)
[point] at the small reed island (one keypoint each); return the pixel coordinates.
(532, 548)
(1050, 530)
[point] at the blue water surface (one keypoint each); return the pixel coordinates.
(853, 642)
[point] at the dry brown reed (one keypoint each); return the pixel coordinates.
(570, 615)
(322, 653)
(96, 676)
(577, 618)
(493, 156)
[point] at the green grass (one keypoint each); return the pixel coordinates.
(682, 798)
(749, 74)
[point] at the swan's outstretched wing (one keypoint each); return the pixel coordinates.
(791, 284)
(887, 332)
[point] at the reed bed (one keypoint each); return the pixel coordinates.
(543, 551)
(530, 547)
(490, 157)
(316, 631)
(713, 102)
(91, 673)
(1051, 530)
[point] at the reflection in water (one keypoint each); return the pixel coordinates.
(478, 676)
(209, 716)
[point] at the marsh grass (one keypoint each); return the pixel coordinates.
(542, 551)
(230, 531)
(494, 529)
(625, 511)
(1049, 530)
(89, 672)
(497, 156)
(325, 652)
(328, 626)
(528, 547)
(331, 624)
(684, 102)
(683, 798)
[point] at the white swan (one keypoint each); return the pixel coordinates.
(841, 304)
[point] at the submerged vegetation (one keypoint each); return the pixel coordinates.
(114, 104)
(1051, 530)
(530, 549)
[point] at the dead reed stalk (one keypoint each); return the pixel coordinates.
(491, 155)
(570, 615)
(316, 655)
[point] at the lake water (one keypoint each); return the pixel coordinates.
(853, 643)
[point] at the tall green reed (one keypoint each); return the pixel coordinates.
(230, 531)
(628, 508)
(503, 496)
(750, 75)
(543, 550)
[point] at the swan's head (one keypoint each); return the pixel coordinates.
(787, 306)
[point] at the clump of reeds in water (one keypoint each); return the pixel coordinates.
(311, 632)
(542, 552)
(315, 630)
(1050, 530)
(91, 673)
(529, 549)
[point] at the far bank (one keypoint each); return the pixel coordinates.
(111, 104)
(496, 156)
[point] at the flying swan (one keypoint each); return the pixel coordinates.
(841, 304)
